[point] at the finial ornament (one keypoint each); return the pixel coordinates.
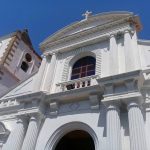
(87, 14)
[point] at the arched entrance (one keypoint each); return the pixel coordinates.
(76, 140)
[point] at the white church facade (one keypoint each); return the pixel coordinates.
(91, 91)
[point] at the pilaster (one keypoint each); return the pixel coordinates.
(136, 51)
(39, 76)
(49, 73)
(16, 136)
(113, 126)
(129, 52)
(32, 133)
(113, 55)
(136, 127)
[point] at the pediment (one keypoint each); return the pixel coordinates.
(25, 87)
(83, 25)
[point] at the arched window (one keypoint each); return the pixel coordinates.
(83, 67)
(24, 66)
(28, 57)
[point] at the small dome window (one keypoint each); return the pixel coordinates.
(28, 57)
(24, 66)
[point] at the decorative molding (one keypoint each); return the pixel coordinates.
(72, 54)
(83, 40)
(23, 105)
(97, 28)
(53, 108)
(9, 103)
(74, 106)
(94, 102)
(74, 92)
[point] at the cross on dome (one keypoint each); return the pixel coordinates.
(87, 14)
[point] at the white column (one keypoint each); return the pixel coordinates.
(113, 55)
(49, 74)
(113, 127)
(16, 136)
(129, 52)
(136, 51)
(136, 127)
(39, 77)
(32, 134)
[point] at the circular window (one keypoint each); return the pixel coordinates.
(28, 57)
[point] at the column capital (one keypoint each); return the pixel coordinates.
(131, 104)
(22, 119)
(35, 117)
(43, 56)
(127, 31)
(46, 56)
(53, 53)
(112, 105)
(131, 32)
(111, 35)
(49, 54)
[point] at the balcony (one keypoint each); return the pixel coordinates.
(77, 83)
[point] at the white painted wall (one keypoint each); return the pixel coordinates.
(7, 81)
(145, 55)
(80, 112)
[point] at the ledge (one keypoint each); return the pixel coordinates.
(74, 94)
(120, 77)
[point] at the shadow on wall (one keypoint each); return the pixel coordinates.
(102, 118)
(123, 121)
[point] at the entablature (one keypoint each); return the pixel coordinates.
(118, 88)
(123, 88)
(85, 38)
(74, 94)
(21, 105)
(94, 23)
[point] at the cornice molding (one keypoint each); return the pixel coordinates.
(78, 24)
(21, 105)
(144, 42)
(71, 95)
(90, 38)
(121, 77)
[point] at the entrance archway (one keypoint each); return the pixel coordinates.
(76, 140)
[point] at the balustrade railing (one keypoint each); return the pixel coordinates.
(77, 83)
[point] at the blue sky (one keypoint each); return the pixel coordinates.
(44, 17)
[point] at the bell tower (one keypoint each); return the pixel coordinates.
(18, 59)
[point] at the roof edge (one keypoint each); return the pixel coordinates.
(83, 21)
